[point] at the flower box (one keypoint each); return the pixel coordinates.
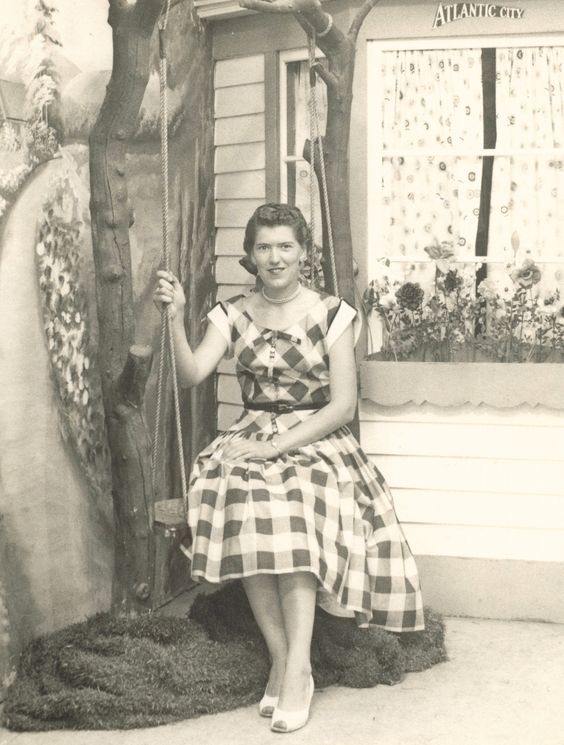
(511, 316)
(497, 384)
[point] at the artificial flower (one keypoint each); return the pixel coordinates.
(453, 281)
(527, 275)
(410, 295)
(507, 317)
(442, 254)
(488, 289)
(504, 286)
(388, 301)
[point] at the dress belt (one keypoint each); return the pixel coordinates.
(281, 406)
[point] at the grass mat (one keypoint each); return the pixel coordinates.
(117, 673)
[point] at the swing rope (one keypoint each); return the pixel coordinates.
(315, 138)
(312, 133)
(166, 335)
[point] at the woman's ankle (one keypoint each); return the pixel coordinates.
(298, 665)
(276, 676)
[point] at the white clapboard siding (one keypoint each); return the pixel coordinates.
(486, 509)
(231, 130)
(228, 390)
(229, 241)
(472, 474)
(224, 292)
(247, 185)
(234, 213)
(466, 440)
(237, 158)
(473, 481)
(240, 178)
(227, 414)
(239, 71)
(227, 367)
(239, 100)
(228, 269)
(525, 544)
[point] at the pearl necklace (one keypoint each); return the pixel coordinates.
(280, 300)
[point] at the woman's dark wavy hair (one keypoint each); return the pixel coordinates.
(273, 214)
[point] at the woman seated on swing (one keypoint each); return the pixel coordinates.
(285, 499)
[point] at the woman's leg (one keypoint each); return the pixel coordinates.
(264, 599)
(297, 598)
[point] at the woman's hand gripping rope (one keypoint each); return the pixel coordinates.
(169, 293)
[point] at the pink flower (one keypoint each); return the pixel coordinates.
(442, 254)
(488, 289)
(527, 275)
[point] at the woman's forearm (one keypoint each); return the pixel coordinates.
(186, 362)
(191, 366)
(316, 426)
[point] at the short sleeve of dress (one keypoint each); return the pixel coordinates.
(219, 316)
(343, 317)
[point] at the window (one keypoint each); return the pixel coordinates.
(465, 159)
(466, 145)
(295, 130)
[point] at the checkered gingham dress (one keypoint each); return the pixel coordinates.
(323, 508)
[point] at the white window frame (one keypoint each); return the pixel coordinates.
(374, 135)
(292, 55)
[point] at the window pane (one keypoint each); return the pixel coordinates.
(530, 97)
(428, 200)
(527, 197)
(298, 106)
(298, 193)
(298, 131)
(432, 98)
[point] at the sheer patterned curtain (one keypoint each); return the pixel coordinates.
(432, 110)
(527, 190)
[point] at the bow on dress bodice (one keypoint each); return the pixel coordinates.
(268, 335)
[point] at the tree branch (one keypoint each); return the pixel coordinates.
(329, 78)
(358, 20)
(308, 13)
(266, 6)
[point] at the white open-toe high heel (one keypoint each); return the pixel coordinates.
(267, 705)
(289, 721)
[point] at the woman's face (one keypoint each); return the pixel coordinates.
(277, 255)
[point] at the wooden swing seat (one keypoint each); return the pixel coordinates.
(170, 513)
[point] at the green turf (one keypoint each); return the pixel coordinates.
(116, 673)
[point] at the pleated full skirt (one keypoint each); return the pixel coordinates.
(324, 509)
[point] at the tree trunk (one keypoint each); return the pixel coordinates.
(130, 445)
(123, 377)
(336, 157)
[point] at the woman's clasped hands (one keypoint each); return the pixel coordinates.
(248, 449)
(169, 293)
